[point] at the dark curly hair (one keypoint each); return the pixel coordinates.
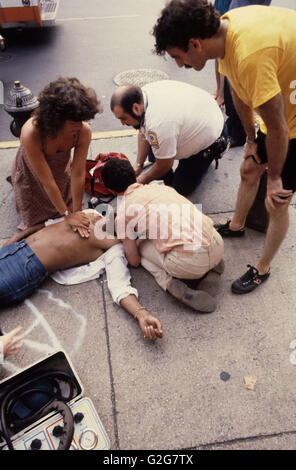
(118, 175)
(182, 20)
(61, 100)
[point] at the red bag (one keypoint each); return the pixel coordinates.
(93, 180)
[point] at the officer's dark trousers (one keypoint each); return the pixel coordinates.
(188, 174)
(234, 126)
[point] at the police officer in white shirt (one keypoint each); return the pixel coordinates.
(177, 121)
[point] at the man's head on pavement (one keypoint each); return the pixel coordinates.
(118, 175)
(185, 30)
(127, 104)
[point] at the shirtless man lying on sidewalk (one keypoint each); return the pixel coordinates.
(26, 262)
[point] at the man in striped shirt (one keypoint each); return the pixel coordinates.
(166, 233)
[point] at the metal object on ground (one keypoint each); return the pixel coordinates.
(19, 105)
(43, 407)
(2, 43)
(139, 77)
(28, 13)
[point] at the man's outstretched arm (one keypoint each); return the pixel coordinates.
(150, 325)
(247, 118)
(18, 236)
(123, 294)
(143, 150)
(160, 168)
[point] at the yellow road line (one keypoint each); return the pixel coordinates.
(95, 136)
(114, 17)
(114, 134)
(9, 145)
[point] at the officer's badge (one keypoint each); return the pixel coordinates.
(153, 139)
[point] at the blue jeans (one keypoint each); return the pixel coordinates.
(21, 272)
(222, 6)
(245, 3)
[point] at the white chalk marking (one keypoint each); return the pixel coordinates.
(44, 323)
(293, 354)
(12, 368)
(41, 347)
(31, 328)
(81, 332)
(40, 320)
(88, 18)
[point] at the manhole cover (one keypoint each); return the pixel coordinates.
(139, 77)
(5, 58)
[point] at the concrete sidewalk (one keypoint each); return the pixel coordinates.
(173, 394)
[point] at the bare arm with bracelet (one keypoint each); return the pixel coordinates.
(143, 150)
(149, 325)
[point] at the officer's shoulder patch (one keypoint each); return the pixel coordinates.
(153, 140)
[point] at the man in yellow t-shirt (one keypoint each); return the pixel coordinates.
(256, 48)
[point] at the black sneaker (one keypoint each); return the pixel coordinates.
(249, 281)
(225, 230)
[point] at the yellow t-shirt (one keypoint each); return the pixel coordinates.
(260, 57)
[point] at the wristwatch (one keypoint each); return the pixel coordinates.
(140, 164)
(66, 213)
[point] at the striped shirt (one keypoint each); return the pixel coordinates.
(159, 213)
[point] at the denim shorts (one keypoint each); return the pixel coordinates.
(21, 272)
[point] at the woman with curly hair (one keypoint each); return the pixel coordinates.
(47, 181)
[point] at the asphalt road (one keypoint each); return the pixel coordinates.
(168, 395)
(94, 41)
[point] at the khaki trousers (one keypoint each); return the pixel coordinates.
(175, 263)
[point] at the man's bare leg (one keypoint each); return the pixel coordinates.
(251, 173)
(276, 232)
(277, 229)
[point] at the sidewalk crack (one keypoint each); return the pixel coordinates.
(113, 394)
(243, 439)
